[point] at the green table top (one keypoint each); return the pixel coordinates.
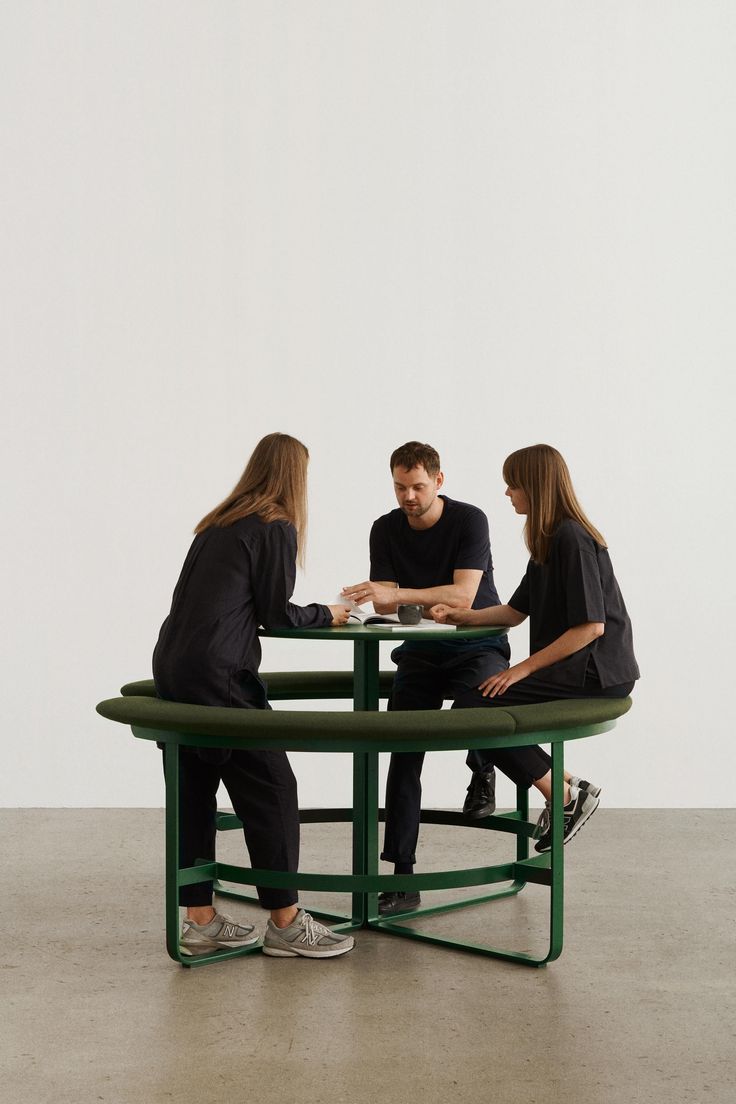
(381, 632)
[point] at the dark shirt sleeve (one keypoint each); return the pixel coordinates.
(382, 568)
(519, 600)
(273, 579)
(583, 591)
(474, 547)
(580, 576)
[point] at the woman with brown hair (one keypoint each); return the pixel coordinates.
(239, 574)
(580, 636)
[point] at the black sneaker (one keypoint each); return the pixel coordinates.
(579, 809)
(481, 799)
(391, 903)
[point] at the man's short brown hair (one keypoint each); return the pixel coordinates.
(416, 455)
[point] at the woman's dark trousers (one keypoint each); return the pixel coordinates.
(263, 793)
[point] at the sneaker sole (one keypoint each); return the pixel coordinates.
(208, 948)
(580, 824)
(479, 814)
(277, 952)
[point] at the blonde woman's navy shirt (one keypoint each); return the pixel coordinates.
(234, 578)
(575, 586)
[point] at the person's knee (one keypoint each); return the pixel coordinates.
(495, 662)
(473, 699)
(416, 690)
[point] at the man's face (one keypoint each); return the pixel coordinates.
(416, 490)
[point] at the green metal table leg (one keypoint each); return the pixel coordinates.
(365, 830)
(365, 675)
(365, 780)
(522, 840)
(171, 775)
(522, 810)
(557, 861)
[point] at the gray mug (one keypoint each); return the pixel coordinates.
(410, 613)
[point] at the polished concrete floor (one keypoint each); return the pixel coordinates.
(640, 1007)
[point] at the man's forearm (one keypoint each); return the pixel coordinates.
(450, 595)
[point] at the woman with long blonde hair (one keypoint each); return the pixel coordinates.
(580, 635)
(239, 574)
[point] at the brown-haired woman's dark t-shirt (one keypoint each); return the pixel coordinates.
(577, 585)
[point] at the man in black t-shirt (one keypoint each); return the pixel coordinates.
(432, 549)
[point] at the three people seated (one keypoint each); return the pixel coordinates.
(431, 550)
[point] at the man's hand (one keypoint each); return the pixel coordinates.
(451, 615)
(498, 684)
(361, 593)
(340, 614)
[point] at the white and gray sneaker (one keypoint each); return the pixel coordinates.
(581, 784)
(305, 938)
(542, 828)
(221, 934)
(581, 806)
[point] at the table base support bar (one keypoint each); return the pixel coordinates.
(474, 948)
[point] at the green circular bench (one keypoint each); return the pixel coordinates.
(364, 735)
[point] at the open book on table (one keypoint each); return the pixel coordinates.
(391, 621)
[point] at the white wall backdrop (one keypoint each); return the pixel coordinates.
(480, 224)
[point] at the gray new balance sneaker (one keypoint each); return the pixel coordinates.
(305, 938)
(221, 934)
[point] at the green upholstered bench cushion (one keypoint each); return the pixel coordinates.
(570, 713)
(323, 685)
(209, 720)
(288, 685)
(345, 731)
